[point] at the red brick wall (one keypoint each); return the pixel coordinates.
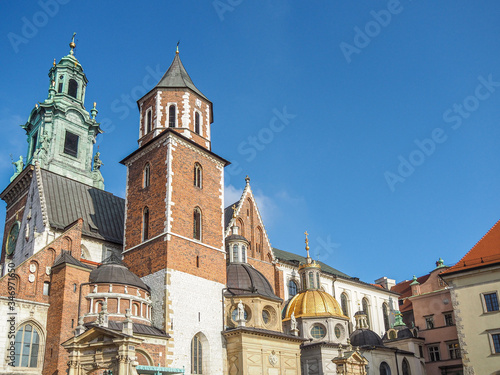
(177, 253)
(175, 96)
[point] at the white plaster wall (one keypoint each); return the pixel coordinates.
(196, 307)
(25, 311)
(98, 248)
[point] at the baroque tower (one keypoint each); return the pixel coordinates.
(61, 132)
(174, 226)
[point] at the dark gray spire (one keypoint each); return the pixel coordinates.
(177, 77)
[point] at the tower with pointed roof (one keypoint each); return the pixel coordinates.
(174, 224)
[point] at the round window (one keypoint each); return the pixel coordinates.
(234, 315)
(318, 331)
(266, 317)
(339, 330)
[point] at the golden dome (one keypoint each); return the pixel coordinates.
(312, 303)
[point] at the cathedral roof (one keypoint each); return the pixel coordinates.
(113, 271)
(177, 77)
(365, 337)
(68, 200)
(243, 279)
(67, 258)
(313, 303)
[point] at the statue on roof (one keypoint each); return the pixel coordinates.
(97, 161)
(18, 166)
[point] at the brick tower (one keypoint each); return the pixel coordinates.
(174, 226)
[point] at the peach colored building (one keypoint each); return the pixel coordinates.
(428, 302)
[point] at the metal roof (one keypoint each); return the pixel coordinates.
(67, 258)
(291, 257)
(113, 271)
(68, 200)
(243, 279)
(177, 77)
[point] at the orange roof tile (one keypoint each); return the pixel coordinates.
(485, 252)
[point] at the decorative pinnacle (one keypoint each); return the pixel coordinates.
(247, 179)
(177, 50)
(234, 211)
(54, 63)
(307, 244)
(94, 112)
(72, 45)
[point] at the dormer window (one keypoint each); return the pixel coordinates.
(72, 88)
(171, 116)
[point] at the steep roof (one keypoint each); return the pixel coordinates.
(67, 258)
(404, 289)
(484, 253)
(177, 77)
(291, 257)
(68, 200)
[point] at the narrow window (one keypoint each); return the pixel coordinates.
(74, 288)
(406, 367)
(385, 369)
(72, 88)
(197, 224)
(448, 319)
(198, 261)
(171, 116)
(197, 123)
(72, 323)
(198, 175)
(454, 350)
(366, 309)
(71, 144)
(292, 288)
(318, 284)
(311, 280)
(344, 304)
(385, 313)
(26, 347)
(60, 86)
(146, 176)
(34, 143)
(235, 253)
(496, 342)
(243, 253)
(145, 224)
(196, 356)
(46, 288)
(149, 120)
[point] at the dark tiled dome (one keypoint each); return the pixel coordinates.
(402, 332)
(362, 337)
(243, 279)
(236, 237)
(113, 271)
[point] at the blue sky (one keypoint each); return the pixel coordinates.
(373, 125)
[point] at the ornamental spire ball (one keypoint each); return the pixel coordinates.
(72, 44)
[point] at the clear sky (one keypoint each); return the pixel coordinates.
(373, 125)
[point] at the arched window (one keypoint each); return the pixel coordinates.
(146, 175)
(385, 369)
(198, 175)
(385, 313)
(292, 288)
(149, 120)
(27, 346)
(406, 367)
(366, 309)
(241, 225)
(171, 116)
(311, 280)
(196, 356)
(72, 88)
(258, 244)
(197, 224)
(235, 253)
(197, 123)
(145, 224)
(66, 245)
(344, 304)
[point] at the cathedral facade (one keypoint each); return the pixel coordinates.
(167, 280)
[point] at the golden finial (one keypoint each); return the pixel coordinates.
(72, 45)
(54, 63)
(234, 211)
(177, 50)
(95, 104)
(307, 244)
